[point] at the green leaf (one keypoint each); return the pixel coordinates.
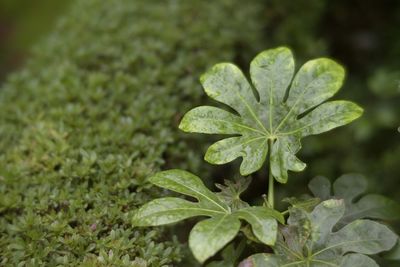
(324, 217)
(320, 187)
(309, 240)
(263, 222)
(283, 120)
(231, 191)
(261, 260)
(188, 184)
(350, 187)
(209, 236)
(170, 210)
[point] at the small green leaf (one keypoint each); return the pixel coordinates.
(231, 191)
(209, 236)
(263, 222)
(350, 187)
(170, 210)
(273, 117)
(188, 184)
(320, 187)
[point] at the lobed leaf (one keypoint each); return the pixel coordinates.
(357, 260)
(209, 236)
(170, 210)
(281, 115)
(309, 241)
(324, 217)
(231, 191)
(363, 236)
(263, 222)
(350, 187)
(188, 184)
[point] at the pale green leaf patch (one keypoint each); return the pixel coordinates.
(286, 111)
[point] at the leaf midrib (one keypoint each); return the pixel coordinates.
(297, 101)
(237, 124)
(177, 209)
(218, 223)
(255, 117)
(306, 126)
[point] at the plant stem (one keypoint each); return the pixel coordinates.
(271, 179)
(271, 190)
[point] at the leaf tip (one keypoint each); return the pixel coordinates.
(183, 124)
(355, 111)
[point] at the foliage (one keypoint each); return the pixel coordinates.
(231, 191)
(76, 148)
(209, 236)
(281, 116)
(351, 188)
(308, 240)
(92, 114)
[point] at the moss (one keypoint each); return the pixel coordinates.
(93, 113)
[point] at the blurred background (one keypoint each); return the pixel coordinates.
(22, 24)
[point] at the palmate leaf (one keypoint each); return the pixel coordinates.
(309, 240)
(351, 188)
(280, 115)
(231, 191)
(208, 236)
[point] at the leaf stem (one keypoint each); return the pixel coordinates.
(271, 179)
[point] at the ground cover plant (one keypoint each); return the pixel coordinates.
(75, 145)
(266, 120)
